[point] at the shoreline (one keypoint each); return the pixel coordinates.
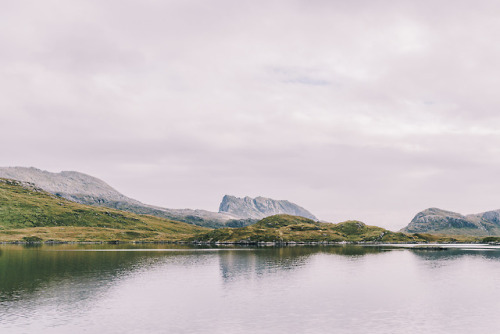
(412, 245)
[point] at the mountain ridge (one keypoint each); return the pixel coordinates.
(89, 190)
(30, 213)
(435, 220)
(261, 207)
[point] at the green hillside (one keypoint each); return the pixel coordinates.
(286, 228)
(29, 213)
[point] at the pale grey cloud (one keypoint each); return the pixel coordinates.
(368, 110)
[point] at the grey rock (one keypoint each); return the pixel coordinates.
(261, 207)
(436, 220)
(70, 185)
(490, 216)
(89, 190)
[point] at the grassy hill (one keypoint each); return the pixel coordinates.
(29, 213)
(286, 228)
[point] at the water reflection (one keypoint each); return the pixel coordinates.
(345, 289)
(270, 260)
(262, 261)
(354, 250)
(24, 269)
(453, 254)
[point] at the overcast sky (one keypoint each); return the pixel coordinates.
(369, 110)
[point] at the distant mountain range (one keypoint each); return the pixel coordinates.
(435, 221)
(89, 190)
(233, 211)
(29, 214)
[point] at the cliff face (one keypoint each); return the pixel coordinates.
(435, 220)
(261, 207)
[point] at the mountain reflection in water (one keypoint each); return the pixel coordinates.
(165, 288)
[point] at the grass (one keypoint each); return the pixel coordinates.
(31, 215)
(29, 212)
(286, 228)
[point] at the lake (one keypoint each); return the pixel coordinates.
(180, 289)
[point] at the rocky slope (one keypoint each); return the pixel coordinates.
(89, 190)
(435, 221)
(31, 214)
(261, 207)
(74, 186)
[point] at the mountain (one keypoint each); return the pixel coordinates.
(261, 207)
(74, 186)
(287, 228)
(86, 189)
(89, 190)
(29, 213)
(435, 221)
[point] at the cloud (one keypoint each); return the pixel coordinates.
(368, 110)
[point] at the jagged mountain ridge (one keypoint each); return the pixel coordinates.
(85, 189)
(261, 207)
(434, 220)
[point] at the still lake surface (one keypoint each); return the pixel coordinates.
(175, 289)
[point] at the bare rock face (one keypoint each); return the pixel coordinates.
(261, 207)
(435, 220)
(74, 186)
(89, 190)
(86, 189)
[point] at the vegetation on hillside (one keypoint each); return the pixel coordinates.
(286, 228)
(29, 213)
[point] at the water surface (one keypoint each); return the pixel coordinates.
(163, 289)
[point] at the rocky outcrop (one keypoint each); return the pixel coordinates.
(435, 221)
(74, 186)
(89, 190)
(261, 207)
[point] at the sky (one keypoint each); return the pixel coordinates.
(367, 110)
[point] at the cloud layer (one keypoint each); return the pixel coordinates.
(369, 110)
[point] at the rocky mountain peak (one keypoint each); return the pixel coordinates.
(260, 207)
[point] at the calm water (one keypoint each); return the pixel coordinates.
(345, 289)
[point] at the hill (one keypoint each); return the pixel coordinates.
(27, 211)
(438, 221)
(287, 228)
(89, 190)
